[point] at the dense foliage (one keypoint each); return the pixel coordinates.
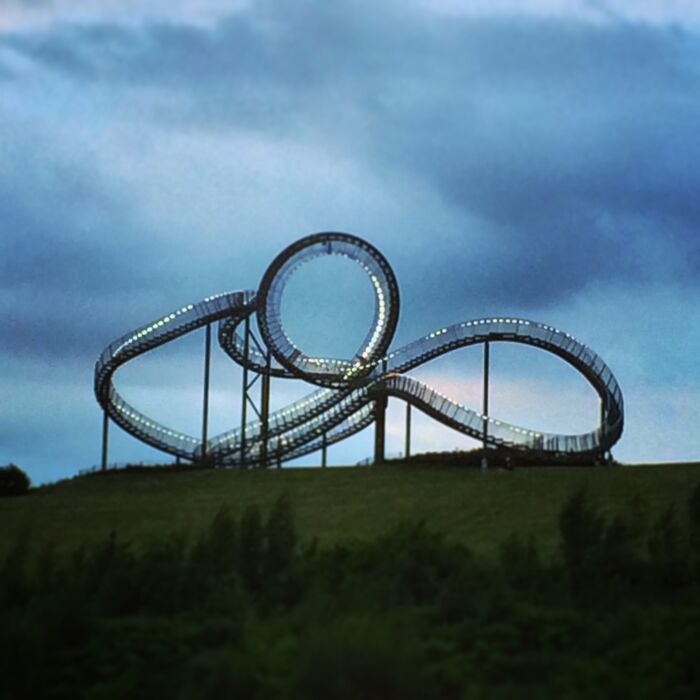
(246, 611)
(13, 481)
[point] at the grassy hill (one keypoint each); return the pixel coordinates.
(340, 504)
(400, 612)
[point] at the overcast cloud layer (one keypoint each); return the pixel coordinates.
(534, 158)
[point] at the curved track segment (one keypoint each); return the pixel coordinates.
(167, 328)
(345, 405)
(384, 378)
(292, 431)
(527, 332)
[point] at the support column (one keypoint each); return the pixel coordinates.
(407, 443)
(324, 451)
(379, 428)
(485, 406)
(205, 400)
(244, 407)
(604, 458)
(265, 410)
(105, 438)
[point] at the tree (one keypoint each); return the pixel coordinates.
(582, 531)
(250, 547)
(13, 481)
(281, 537)
(667, 549)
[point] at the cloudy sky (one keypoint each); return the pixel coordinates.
(529, 157)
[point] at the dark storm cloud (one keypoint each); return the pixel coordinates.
(45, 253)
(571, 146)
(65, 255)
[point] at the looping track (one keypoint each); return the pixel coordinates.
(345, 403)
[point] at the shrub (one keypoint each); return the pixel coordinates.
(694, 526)
(582, 531)
(280, 536)
(251, 547)
(667, 549)
(694, 512)
(13, 481)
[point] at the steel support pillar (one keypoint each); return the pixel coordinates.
(265, 410)
(105, 439)
(205, 398)
(261, 409)
(407, 439)
(379, 428)
(244, 406)
(606, 457)
(324, 451)
(485, 406)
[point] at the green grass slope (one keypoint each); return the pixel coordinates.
(340, 504)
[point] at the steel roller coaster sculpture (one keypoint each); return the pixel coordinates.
(352, 393)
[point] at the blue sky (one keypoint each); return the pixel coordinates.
(524, 158)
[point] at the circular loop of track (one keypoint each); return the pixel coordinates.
(329, 371)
